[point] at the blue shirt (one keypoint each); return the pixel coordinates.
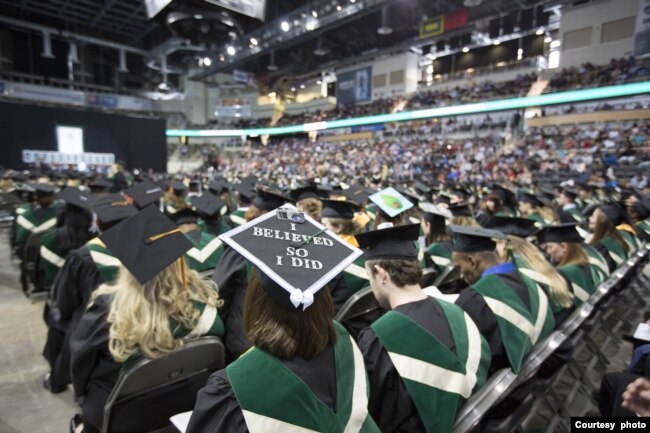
(503, 268)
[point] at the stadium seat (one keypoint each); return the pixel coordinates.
(150, 391)
(359, 311)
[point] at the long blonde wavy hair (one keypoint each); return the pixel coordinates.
(557, 286)
(139, 313)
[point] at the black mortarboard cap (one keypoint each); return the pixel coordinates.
(442, 198)
(357, 194)
(295, 260)
(521, 227)
(184, 216)
(303, 192)
(528, 197)
(76, 197)
(506, 195)
(642, 207)
(43, 189)
(614, 212)
(436, 212)
(208, 204)
(246, 191)
(339, 209)
(100, 184)
(422, 188)
(217, 186)
(461, 210)
(268, 199)
(179, 188)
(144, 193)
(111, 208)
(570, 192)
(559, 233)
(467, 239)
(394, 243)
(146, 243)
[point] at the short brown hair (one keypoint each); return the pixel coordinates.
(402, 272)
(286, 333)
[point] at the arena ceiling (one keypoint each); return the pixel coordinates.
(186, 31)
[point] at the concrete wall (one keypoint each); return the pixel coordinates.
(593, 16)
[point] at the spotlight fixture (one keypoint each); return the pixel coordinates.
(539, 32)
(254, 42)
(231, 50)
(207, 61)
(465, 50)
(285, 26)
(496, 42)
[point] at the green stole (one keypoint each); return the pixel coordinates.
(355, 276)
(631, 240)
(597, 262)
(524, 269)
(575, 213)
(437, 379)
(520, 329)
(107, 264)
(644, 226)
(238, 216)
(205, 254)
(27, 223)
(616, 251)
(583, 287)
(440, 254)
(51, 255)
(274, 400)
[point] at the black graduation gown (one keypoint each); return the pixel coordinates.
(390, 404)
(231, 277)
(474, 304)
(604, 251)
(94, 371)
(217, 410)
(78, 278)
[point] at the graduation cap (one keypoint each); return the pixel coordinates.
(443, 198)
(570, 192)
(357, 194)
(144, 193)
(473, 239)
(208, 204)
(246, 192)
(410, 195)
(461, 210)
(179, 188)
(528, 197)
(217, 186)
(642, 207)
(522, 227)
(559, 233)
(391, 202)
(394, 243)
(185, 216)
(303, 192)
(614, 212)
(146, 243)
(76, 197)
(295, 260)
(339, 209)
(422, 188)
(43, 189)
(434, 213)
(507, 196)
(268, 199)
(100, 184)
(111, 208)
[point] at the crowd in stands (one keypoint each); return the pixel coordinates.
(618, 71)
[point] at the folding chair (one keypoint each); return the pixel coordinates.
(483, 400)
(30, 257)
(449, 280)
(359, 311)
(150, 391)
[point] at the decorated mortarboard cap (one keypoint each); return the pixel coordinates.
(144, 193)
(111, 208)
(394, 243)
(339, 209)
(614, 212)
(146, 243)
(559, 233)
(432, 209)
(391, 202)
(208, 204)
(461, 210)
(528, 197)
(184, 216)
(303, 192)
(521, 227)
(467, 239)
(295, 255)
(76, 197)
(268, 199)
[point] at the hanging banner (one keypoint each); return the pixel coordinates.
(45, 93)
(642, 29)
(443, 23)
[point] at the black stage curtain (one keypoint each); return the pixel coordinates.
(139, 142)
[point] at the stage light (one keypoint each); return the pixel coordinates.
(293, 89)
(338, 8)
(555, 44)
(285, 26)
(254, 42)
(539, 32)
(496, 42)
(548, 39)
(465, 50)
(302, 86)
(207, 61)
(231, 50)
(314, 14)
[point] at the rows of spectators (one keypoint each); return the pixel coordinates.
(617, 71)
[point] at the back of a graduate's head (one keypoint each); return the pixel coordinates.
(286, 332)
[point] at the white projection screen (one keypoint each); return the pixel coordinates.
(70, 139)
